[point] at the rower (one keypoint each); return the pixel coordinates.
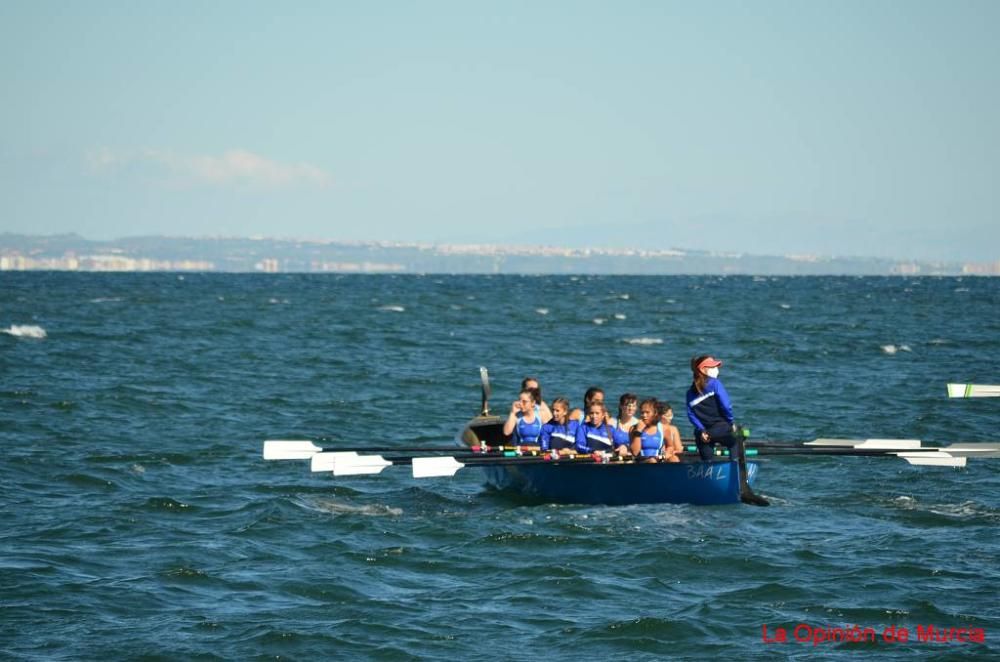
(559, 433)
(542, 408)
(647, 435)
(524, 421)
(594, 432)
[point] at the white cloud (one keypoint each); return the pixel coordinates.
(233, 167)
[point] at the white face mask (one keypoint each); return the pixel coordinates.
(712, 372)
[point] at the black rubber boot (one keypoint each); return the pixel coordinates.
(747, 495)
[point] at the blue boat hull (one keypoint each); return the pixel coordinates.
(614, 484)
(698, 483)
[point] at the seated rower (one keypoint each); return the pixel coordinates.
(559, 434)
(593, 394)
(594, 432)
(647, 435)
(628, 403)
(672, 446)
(524, 423)
(543, 409)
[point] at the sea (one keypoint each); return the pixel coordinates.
(138, 519)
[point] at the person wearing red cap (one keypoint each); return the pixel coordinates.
(709, 408)
(711, 412)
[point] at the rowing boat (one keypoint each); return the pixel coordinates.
(615, 484)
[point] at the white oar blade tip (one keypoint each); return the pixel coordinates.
(933, 459)
(352, 468)
(430, 467)
(281, 449)
(327, 461)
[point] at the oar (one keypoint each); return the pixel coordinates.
(431, 467)
(374, 464)
(330, 461)
(281, 449)
(974, 390)
(946, 456)
(860, 444)
(425, 467)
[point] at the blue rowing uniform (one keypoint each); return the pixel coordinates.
(711, 411)
(652, 441)
(590, 438)
(622, 432)
(558, 436)
(709, 407)
(525, 432)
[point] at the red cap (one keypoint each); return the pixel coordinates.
(709, 362)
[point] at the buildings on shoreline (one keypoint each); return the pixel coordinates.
(267, 255)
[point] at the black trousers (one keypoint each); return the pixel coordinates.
(719, 433)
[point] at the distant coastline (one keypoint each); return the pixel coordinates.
(72, 252)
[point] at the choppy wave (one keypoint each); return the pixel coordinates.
(392, 309)
(643, 341)
(25, 331)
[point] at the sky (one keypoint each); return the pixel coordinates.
(836, 128)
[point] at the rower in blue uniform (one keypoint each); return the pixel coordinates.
(628, 403)
(594, 432)
(647, 435)
(560, 432)
(524, 422)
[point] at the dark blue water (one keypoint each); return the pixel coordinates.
(138, 518)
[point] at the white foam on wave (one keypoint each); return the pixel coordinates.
(960, 510)
(786, 306)
(340, 508)
(25, 331)
(892, 349)
(624, 297)
(619, 316)
(542, 311)
(106, 300)
(599, 320)
(643, 341)
(392, 309)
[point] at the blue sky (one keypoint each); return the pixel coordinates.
(832, 128)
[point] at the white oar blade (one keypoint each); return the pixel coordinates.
(429, 467)
(868, 444)
(888, 444)
(326, 461)
(846, 443)
(279, 449)
(360, 466)
(974, 390)
(933, 459)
